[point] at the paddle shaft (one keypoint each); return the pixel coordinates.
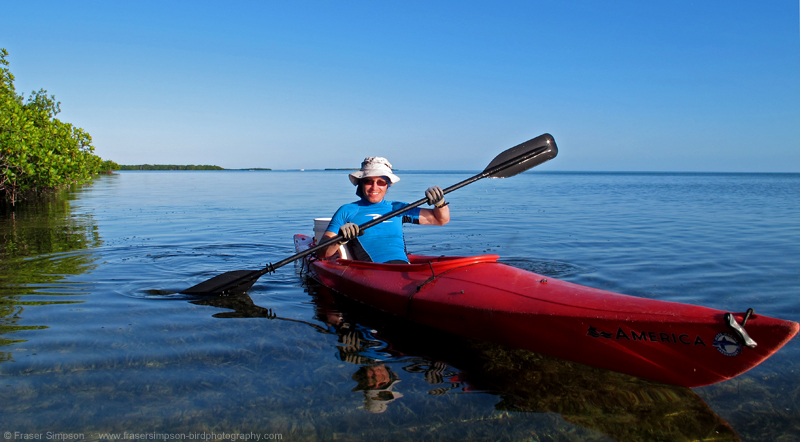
(376, 221)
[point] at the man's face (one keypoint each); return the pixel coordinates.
(374, 188)
(378, 377)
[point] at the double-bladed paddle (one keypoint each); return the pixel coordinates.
(509, 163)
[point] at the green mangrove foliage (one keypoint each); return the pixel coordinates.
(39, 152)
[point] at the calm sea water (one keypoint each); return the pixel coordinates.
(95, 342)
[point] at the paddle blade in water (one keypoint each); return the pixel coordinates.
(228, 283)
(523, 157)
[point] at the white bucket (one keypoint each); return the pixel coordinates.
(320, 225)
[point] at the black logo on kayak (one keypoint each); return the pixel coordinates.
(727, 344)
(651, 336)
(593, 333)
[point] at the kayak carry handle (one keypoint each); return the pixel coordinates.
(739, 330)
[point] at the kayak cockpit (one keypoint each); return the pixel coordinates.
(418, 263)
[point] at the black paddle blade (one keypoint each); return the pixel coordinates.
(544, 142)
(229, 283)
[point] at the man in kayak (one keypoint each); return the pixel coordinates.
(384, 242)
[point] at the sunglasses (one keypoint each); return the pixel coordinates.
(375, 182)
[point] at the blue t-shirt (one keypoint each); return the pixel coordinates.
(383, 242)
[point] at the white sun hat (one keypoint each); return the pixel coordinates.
(374, 166)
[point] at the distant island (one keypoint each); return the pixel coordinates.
(167, 167)
(179, 167)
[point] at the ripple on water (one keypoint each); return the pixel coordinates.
(552, 268)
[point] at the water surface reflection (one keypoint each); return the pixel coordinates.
(42, 244)
(93, 338)
(379, 347)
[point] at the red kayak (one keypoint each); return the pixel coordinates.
(477, 297)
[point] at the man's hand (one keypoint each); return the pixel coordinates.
(349, 231)
(435, 196)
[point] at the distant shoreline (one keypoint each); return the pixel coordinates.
(172, 167)
(168, 167)
(180, 167)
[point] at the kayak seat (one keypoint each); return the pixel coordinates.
(345, 252)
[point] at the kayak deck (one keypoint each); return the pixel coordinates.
(670, 342)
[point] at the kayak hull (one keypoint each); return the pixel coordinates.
(477, 297)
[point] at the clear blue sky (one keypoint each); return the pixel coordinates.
(707, 85)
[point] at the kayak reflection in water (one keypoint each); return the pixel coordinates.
(384, 242)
